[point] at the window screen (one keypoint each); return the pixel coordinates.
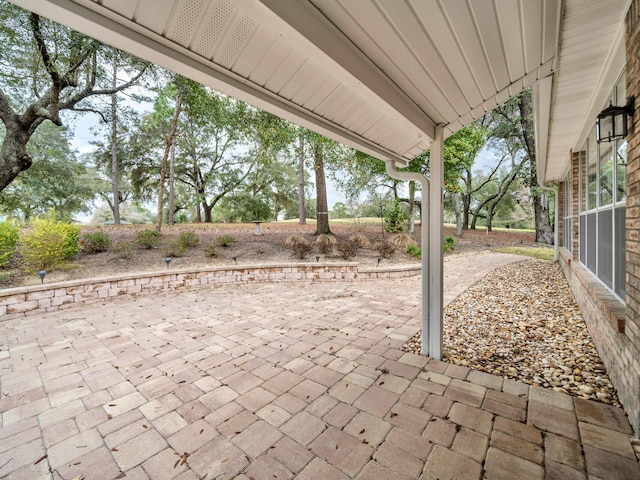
(605, 247)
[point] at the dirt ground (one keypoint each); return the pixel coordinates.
(269, 247)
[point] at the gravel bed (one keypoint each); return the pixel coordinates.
(521, 322)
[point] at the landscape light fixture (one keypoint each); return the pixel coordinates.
(235, 259)
(167, 261)
(379, 260)
(611, 123)
(317, 258)
(41, 274)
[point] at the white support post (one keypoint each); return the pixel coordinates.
(424, 228)
(436, 181)
(425, 216)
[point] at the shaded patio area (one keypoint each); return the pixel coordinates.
(281, 380)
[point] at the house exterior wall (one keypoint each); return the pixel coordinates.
(615, 325)
(632, 226)
(632, 223)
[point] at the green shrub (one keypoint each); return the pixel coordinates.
(348, 249)
(325, 243)
(361, 240)
(175, 248)
(449, 243)
(48, 244)
(189, 239)
(414, 251)
(95, 242)
(148, 238)
(123, 250)
(8, 242)
(385, 249)
(395, 218)
(210, 250)
(225, 240)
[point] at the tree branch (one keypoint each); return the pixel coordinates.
(70, 103)
(6, 112)
(42, 48)
(91, 110)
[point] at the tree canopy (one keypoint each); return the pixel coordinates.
(46, 69)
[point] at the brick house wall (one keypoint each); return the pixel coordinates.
(632, 223)
(615, 325)
(632, 227)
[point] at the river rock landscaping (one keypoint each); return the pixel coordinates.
(521, 322)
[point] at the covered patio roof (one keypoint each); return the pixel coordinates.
(379, 74)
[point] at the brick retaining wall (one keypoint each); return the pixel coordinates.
(22, 301)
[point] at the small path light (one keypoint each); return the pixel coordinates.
(167, 261)
(41, 274)
(317, 258)
(379, 260)
(235, 259)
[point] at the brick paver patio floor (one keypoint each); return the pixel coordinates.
(275, 381)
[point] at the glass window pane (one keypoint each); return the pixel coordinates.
(605, 247)
(592, 173)
(619, 252)
(592, 242)
(606, 173)
(583, 239)
(621, 173)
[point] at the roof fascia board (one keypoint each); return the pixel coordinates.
(308, 21)
(98, 22)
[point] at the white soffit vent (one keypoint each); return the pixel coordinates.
(214, 29)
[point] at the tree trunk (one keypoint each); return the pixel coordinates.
(544, 229)
(475, 216)
(489, 219)
(114, 149)
(457, 205)
(301, 210)
(163, 167)
(412, 206)
(466, 202)
(13, 155)
(172, 180)
(207, 212)
(322, 207)
(394, 188)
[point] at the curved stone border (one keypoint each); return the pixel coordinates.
(22, 301)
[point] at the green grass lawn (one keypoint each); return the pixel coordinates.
(543, 253)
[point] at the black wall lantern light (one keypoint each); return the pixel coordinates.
(611, 123)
